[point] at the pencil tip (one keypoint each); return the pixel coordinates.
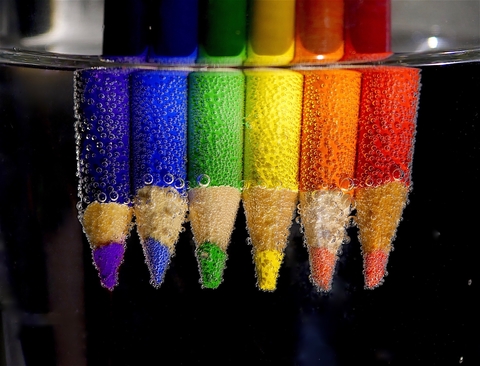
(267, 266)
(374, 268)
(107, 260)
(322, 266)
(157, 257)
(211, 261)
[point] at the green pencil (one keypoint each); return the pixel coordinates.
(222, 36)
(215, 149)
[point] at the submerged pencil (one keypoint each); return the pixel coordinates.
(367, 30)
(327, 164)
(174, 32)
(103, 155)
(222, 35)
(215, 153)
(125, 30)
(318, 31)
(159, 150)
(273, 107)
(387, 122)
(270, 32)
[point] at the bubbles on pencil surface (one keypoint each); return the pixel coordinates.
(386, 138)
(215, 152)
(102, 134)
(159, 148)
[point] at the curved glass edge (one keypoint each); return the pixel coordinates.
(47, 60)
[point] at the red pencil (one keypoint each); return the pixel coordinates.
(387, 121)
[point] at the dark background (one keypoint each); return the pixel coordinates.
(54, 311)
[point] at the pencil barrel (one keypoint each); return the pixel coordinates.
(215, 157)
(387, 123)
(271, 155)
(159, 152)
(103, 165)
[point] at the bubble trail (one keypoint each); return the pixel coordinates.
(327, 164)
(159, 152)
(102, 132)
(318, 41)
(222, 35)
(367, 30)
(273, 108)
(387, 123)
(174, 32)
(215, 153)
(271, 32)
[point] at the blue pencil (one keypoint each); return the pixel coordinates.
(174, 28)
(159, 148)
(103, 157)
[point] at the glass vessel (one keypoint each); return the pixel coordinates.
(54, 312)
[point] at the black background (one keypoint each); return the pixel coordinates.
(426, 312)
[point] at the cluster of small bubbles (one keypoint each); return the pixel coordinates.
(102, 146)
(387, 124)
(325, 217)
(215, 135)
(269, 213)
(273, 111)
(329, 129)
(158, 127)
(212, 214)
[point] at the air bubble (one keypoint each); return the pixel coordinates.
(179, 183)
(168, 178)
(147, 179)
(101, 197)
(203, 180)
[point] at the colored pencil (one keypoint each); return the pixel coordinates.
(273, 107)
(103, 155)
(222, 35)
(367, 30)
(387, 123)
(125, 31)
(215, 154)
(174, 32)
(318, 31)
(159, 149)
(327, 164)
(271, 32)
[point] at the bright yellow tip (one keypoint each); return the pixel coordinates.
(267, 266)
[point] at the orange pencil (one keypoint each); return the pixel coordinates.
(387, 121)
(327, 164)
(318, 31)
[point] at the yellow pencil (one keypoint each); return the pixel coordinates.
(273, 106)
(271, 32)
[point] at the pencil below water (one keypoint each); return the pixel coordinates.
(103, 154)
(159, 121)
(215, 151)
(273, 106)
(327, 163)
(387, 122)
